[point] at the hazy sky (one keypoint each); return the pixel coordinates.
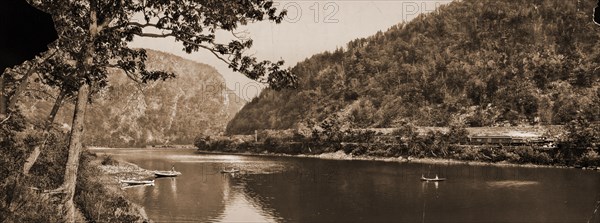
(310, 27)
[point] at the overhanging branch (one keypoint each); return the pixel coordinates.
(155, 35)
(212, 50)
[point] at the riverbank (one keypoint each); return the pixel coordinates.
(118, 170)
(341, 155)
(100, 194)
(575, 148)
(158, 147)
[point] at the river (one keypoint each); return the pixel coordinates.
(291, 189)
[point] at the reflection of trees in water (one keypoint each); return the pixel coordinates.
(343, 191)
(340, 191)
(321, 193)
(191, 197)
(241, 207)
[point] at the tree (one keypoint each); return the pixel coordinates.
(581, 134)
(458, 134)
(581, 137)
(94, 36)
(55, 72)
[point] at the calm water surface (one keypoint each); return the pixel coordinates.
(286, 189)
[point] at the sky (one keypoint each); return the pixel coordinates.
(310, 27)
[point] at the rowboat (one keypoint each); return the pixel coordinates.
(432, 179)
(232, 170)
(137, 182)
(126, 186)
(166, 173)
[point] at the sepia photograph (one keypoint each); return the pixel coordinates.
(158, 111)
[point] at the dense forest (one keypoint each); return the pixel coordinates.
(175, 111)
(479, 63)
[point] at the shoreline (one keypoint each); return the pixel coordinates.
(123, 170)
(103, 182)
(341, 156)
(190, 146)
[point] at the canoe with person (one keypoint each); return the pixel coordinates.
(169, 173)
(232, 170)
(423, 178)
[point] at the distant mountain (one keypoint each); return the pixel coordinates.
(175, 111)
(483, 63)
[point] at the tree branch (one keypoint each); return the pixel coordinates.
(139, 25)
(6, 119)
(23, 81)
(155, 35)
(127, 74)
(212, 50)
(42, 92)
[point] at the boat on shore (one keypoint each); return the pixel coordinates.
(158, 173)
(136, 182)
(423, 178)
(232, 170)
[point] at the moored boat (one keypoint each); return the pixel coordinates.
(126, 186)
(136, 182)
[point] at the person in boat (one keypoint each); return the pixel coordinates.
(436, 177)
(173, 168)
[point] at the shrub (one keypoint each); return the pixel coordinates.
(469, 153)
(508, 154)
(109, 160)
(590, 158)
(47, 172)
(488, 154)
(17, 194)
(458, 134)
(530, 155)
(202, 142)
(27, 205)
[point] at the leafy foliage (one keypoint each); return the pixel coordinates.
(93, 40)
(105, 28)
(581, 144)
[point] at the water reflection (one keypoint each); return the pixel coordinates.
(511, 183)
(280, 189)
(241, 208)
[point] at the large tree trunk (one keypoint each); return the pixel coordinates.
(38, 149)
(75, 147)
(76, 137)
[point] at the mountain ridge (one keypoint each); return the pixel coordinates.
(175, 111)
(480, 63)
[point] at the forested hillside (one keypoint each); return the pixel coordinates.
(174, 111)
(482, 63)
